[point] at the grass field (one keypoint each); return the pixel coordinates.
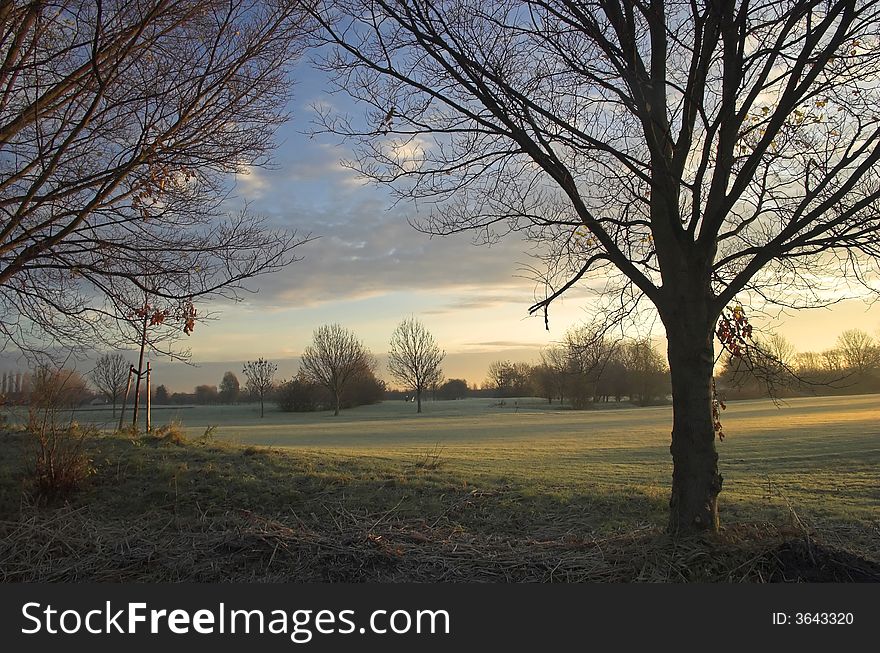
(523, 473)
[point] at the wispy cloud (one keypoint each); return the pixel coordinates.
(251, 183)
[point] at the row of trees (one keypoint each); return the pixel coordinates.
(587, 367)
(774, 366)
(336, 371)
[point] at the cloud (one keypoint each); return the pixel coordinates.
(505, 344)
(252, 183)
(362, 249)
(365, 245)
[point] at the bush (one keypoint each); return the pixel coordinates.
(363, 390)
(58, 464)
(299, 395)
(453, 389)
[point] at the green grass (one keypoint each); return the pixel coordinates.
(532, 473)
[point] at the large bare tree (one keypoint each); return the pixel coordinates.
(334, 359)
(414, 358)
(110, 376)
(121, 123)
(702, 155)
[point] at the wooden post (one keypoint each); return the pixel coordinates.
(140, 368)
(149, 403)
(125, 396)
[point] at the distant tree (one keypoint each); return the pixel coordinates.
(53, 387)
(207, 394)
(510, 379)
(110, 376)
(590, 353)
(414, 358)
(334, 359)
(520, 378)
(498, 377)
(259, 374)
(182, 398)
(453, 389)
(161, 395)
(229, 388)
(859, 351)
(647, 371)
(552, 373)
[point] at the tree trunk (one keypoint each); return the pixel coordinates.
(695, 478)
(262, 412)
(336, 412)
(419, 401)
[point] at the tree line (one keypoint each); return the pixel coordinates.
(774, 367)
(588, 367)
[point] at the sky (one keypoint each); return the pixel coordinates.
(367, 269)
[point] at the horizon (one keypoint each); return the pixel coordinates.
(468, 360)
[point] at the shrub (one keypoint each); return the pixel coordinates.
(363, 390)
(57, 464)
(298, 395)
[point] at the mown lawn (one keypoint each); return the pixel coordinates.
(465, 476)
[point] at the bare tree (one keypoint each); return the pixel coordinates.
(510, 379)
(110, 376)
(859, 351)
(555, 372)
(498, 376)
(334, 359)
(647, 372)
(260, 375)
(120, 124)
(590, 351)
(691, 154)
(414, 358)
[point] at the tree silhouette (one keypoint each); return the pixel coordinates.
(695, 155)
(260, 375)
(229, 388)
(414, 358)
(109, 376)
(335, 359)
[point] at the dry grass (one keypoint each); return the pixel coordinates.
(72, 545)
(171, 433)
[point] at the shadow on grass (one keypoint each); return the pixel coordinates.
(157, 510)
